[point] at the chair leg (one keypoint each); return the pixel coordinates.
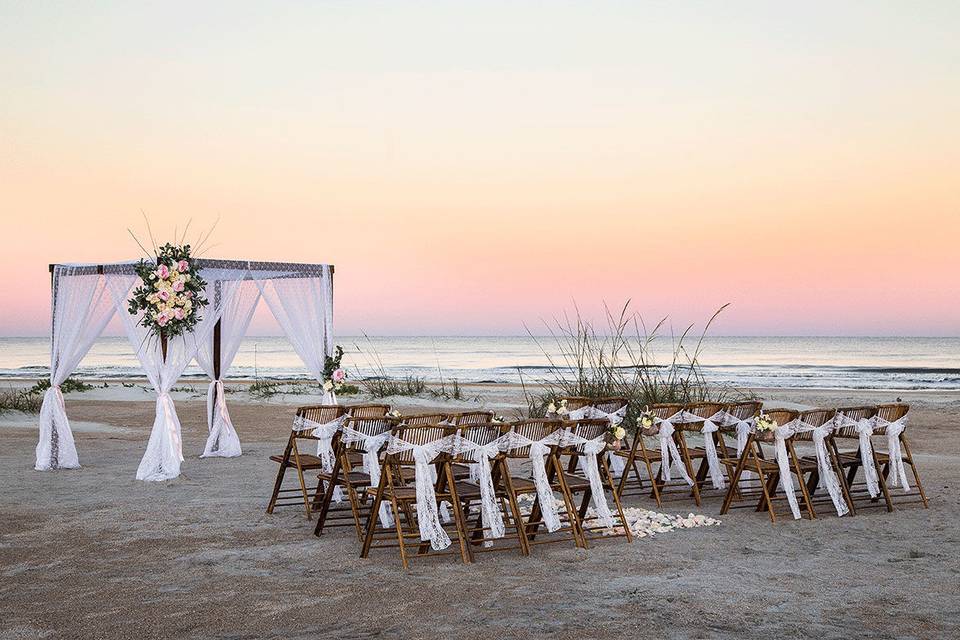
(767, 495)
(841, 476)
(616, 500)
(281, 472)
(578, 538)
(803, 487)
(913, 467)
(881, 480)
(515, 509)
(734, 482)
(466, 553)
(688, 464)
(655, 486)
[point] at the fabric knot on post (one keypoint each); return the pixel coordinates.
(539, 449)
(781, 434)
(898, 473)
(669, 453)
(590, 450)
(428, 513)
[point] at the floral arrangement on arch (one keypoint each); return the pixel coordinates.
(334, 375)
(171, 295)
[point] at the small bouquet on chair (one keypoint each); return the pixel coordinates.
(334, 375)
(765, 427)
(647, 422)
(617, 434)
(558, 409)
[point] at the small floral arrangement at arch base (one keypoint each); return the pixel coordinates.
(334, 375)
(171, 294)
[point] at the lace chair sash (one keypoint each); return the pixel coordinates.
(710, 425)
(490, 514)
(828, 478)
(864, 428)
(428, 512)
(371, 445)
(669, 453)
(898, 473)
(324, 433)
(539, 449)
(591, 449)
(617, 463)
(782, 433)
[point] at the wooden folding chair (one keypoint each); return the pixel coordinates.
(818, 418)
(516, 485)
(590, 525)
(295, 457)
(403, 498)
(850, 461)
(651, 455)
(768, 470)
(348, 472)
(470, 494)
(367, 410)
(893, 412)
(417, 419)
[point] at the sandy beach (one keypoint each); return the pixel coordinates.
(94, 553)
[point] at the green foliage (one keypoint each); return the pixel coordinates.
(619, 362)
(20, 400)
(348, 390)
(67, 386)
(384, 387)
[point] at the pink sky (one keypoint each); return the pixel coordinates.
(469, 170)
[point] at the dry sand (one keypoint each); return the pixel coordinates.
(93, 553)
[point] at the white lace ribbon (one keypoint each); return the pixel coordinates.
(428, 513)
(864, 429)
(490, 513)
(371, 446)
(783, 462)
(669, 453)
(590, 450)
(898, 473)
(828, 479)
(324, 432)
(709, 427)
(538, 452)
(617, 463)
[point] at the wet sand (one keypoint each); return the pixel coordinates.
(94, 553)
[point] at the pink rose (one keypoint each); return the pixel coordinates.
(339, 375)
(178, 286)
(183, 266)
(164, 296)
(163, 272)
(178, 313)
(162, 319)
(189, 294)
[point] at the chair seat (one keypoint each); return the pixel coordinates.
(771, 466)
(307, 461)
(354, 478)
(527, 485)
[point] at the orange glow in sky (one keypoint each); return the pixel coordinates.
(473, 167)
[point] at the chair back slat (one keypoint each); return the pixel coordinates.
(744, 410)
(704, 409)
(814, 418)
(423, 418)
(368, 410)
(470, 417)
(374, 426)
(854, 413)
(576, 402)
(321, 413)
(664, 410)
(481, 434)
(533, 429)
(418, 435)
(782, 416)
(893, 411)
(608, 405)
(588, 429)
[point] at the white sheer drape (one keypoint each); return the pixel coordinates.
(161, 460)
(304, 309)
(238, 300)
(81, 308)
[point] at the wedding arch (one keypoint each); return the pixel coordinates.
(86, 296)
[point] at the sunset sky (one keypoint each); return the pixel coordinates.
(471, 167)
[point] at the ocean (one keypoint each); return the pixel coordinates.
(777, 362)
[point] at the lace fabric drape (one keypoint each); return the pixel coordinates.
(237, 300)
(669, 453)
(303, 306)
(164, 453)
(81, 308)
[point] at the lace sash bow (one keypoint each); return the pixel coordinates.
(709, 427)
(828, 478)
(669, 454)
(590, 450)
(898, 473)
(864, 429)
(324, 432)
(783, 462)
(490, 514)
(617, 463)
(428, 512)
(371, 446)
(538, 452)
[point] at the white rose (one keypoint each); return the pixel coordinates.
(327, 385)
